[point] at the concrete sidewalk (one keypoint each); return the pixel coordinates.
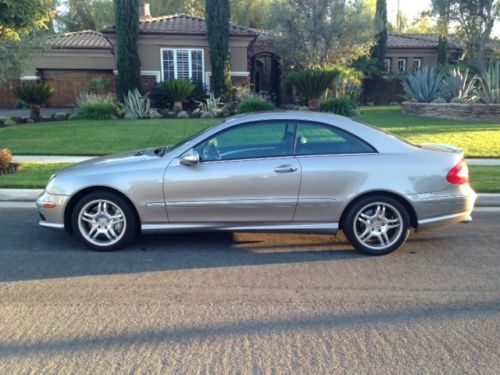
(31, 195)
(45, 159)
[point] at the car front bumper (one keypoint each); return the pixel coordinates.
(51, 210)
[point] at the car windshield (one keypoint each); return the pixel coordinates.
(173, 147)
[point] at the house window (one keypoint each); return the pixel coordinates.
(182, 64)
(417, 63)
(387, 65)
(401, 64)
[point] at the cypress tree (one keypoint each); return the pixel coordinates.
(378, 51)
(217, 14)
(128, 63)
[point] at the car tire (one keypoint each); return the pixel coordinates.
(377, 225)
(104, 221)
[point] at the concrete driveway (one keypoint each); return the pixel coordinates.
(249, 303)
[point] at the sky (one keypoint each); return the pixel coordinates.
(412, 8)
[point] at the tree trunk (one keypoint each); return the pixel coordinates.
(35, 112)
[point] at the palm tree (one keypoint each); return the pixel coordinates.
(35, 95)
(313, 84)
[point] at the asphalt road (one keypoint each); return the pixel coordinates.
(249, 303)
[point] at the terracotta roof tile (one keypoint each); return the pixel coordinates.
(86, 39)
(182, 24)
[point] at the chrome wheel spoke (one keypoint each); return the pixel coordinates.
(384, 238)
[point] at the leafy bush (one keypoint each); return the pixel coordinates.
(488, 90)
(92, 98)
(176, 91)
(313, 83)
(60, 116)
(3, 119)
(99, 85)
(439, 101)
(255, 103)
(137, 106)
(35, 95)
(457, 101)
(343, 106)
(5, 158)
(97, 111)
(424, 85)
(212, 107)
(182, 114)
(458, 84)
(9, 122)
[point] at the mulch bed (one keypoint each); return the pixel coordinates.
(12, 168)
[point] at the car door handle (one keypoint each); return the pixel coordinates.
(287, 168)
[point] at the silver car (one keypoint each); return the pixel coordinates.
(279, 171)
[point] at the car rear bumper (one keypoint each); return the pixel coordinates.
(448, 207)
(51, 210)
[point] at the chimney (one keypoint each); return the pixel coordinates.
(144, 13)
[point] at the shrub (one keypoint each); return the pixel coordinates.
(35, 95)
(459, 85)
(313, 84)
(488, 90)
(5, 158)
(255, 103)
(182, 114)
(457, 101)
(91, 98)
(9, 123)
(439, 101)
(343, 106)
(137, 106)
(212, 106)
(176, 91)
(99, 85)
(3, 119)
(97, 111)
(60, 116)
(424, 85)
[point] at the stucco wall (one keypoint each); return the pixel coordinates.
(454, 111)
(75, 59)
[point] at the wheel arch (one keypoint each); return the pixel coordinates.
(81, 193)
(401, 199)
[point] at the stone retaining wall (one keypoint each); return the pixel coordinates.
(453, 111)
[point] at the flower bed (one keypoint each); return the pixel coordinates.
(453, 110)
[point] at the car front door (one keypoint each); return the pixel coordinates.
(246, 173)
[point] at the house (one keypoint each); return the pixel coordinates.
(173, 46)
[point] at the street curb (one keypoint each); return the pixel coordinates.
(31, 195)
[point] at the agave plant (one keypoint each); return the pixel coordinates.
(459, 85)
(424, 85)
(137, 106)
(212, 106)
(35, 95)
(488, 90)
(177, 90)
(313, 84)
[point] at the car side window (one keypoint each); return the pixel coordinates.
(247, 141)
(317, 139)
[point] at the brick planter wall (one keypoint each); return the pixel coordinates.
(453, 111)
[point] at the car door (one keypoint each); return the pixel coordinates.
(334, 165)
(246, 173)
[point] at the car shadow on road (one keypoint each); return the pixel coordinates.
(41, 254)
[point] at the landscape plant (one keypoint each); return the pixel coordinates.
(424, 85)
(176, 91)
(212, 107)
(488, 87)
(35, 95)
(96, 107)
(138, 106)
(459, 85)
(313, 84)
(255, 103)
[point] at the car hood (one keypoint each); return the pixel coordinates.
(118, 160)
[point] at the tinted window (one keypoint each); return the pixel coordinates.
(314, 139)
(257, 140)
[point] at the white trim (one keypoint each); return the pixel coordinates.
(240, 74)
(29, 78)
(155, 73)
(190, 62)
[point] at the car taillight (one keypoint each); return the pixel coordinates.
(459, 174)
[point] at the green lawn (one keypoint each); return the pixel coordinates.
(484, 179)
(478, 139)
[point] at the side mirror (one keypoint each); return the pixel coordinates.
(190, 158)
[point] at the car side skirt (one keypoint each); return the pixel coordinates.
(243, 227)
